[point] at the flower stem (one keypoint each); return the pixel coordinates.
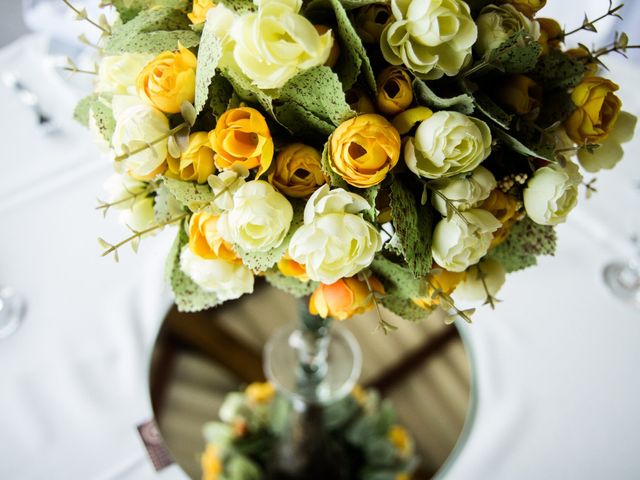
(83, 15)
(173, 131)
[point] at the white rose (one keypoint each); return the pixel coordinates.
(140, 126)
(465, 191)
(610, 151)
(118, 73)
(458, 244)
(259, 220)
(497, 24)
(552, 193)
(275, 43)
(122, 190)
(228, 280)
(432, 38)
(472, 288)
(335, 241)
(140, 215)
(446, 144)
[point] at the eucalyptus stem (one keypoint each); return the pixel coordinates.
(171, 132)
(78, 70)
(589, 24)
(82, 14)
(448, 201)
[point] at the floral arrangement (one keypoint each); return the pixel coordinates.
(364, 429)
(403, 153)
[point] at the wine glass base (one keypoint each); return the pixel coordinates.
(623, 281)
(12, 309)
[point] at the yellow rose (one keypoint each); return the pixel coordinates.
(359, 101)
(596, 113)
(196, 162)
(401, 440)
(371, 20)
(550, 34)
(505, 208)
(528, 7)
(344, 298)
(169, 80)
(364, 149)
(444, 281)
(199, 11)
(335, 47)
(395, 93)
(298, 171)
(242, 137)
(205, 240)
(259, 393)
(290, 268)
(520, 93)
(211, 463)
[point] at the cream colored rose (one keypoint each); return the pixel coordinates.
(140, 126)
(260, 217)
(552, 193)
(122, 190)
(140, 215)
(275, 43)
(446, 144)
(497, 24)
(118, 73)
(431, 38)
(610, 151)
(473, 289)
(459, 243)
(465, 191)
(335, 241)
(228, 280)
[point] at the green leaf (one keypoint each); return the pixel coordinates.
(128, 9)
(81, 112)
(290, 285)
(397, 279)
(302, 124)
(558, 71)
(353, 50)
(319, 91)
(526, 241)
(217, 433)
(193, 196)
(425, 96)
(152, 31)
(335, 180)
(490, 109)
(263, 261)
(240, 6)
(353, 4)
(246, 90)
(220, 93)
(165, 205)
(189, 297)
(209, 54)
(413, 223)
(103, 118)
(405, 308)
(518, 54)
(241, 468)
(370, 194)
(519, 147)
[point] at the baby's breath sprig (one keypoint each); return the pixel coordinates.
(82, 15)
(385, 326)
(135, 237)
(447, 302)
(129, 153)
(590, 25)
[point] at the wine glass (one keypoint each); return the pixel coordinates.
(12, 310)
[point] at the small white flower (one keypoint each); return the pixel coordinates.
(472, 288)
(228, 280)
(552, 193)
(458, 244)
(259, 219)
(465, 191)
(446, 144)
(118, 73)
(497, 24)
(335, 241)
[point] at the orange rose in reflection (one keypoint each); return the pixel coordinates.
(290, 268)
(395, 92)
(205, 240)
(259, 393)
(443, 280)
(169, 80)
(298, 171)
(505, 208)
(199, 11)
(242, 137)
(344, 298)
(196, 162)
(364, 149)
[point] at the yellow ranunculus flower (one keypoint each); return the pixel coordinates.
(169, 80)
(364, 149)
(528, 7)
(443, 280)
(199, 11)
(196, 162)
(205, 240)
(505, 208)
(242, 137)
(520, 93)
(401, 440)
(359, 101)
(344, 298)
(211, 463)
(290, 268)
(597, 109)
(550, 34)
(395, 92)
(371, 20)
(259, 393)
(406, 120)
(298, 171)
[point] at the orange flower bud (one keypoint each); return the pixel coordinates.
(290, 268)
(298, 171)
(196, 162)
(505, 208)
(344, 298)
